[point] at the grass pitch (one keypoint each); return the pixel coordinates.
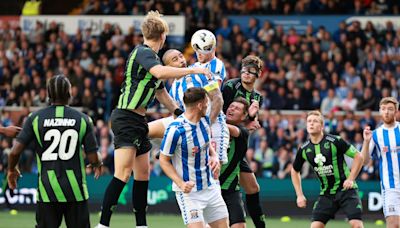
(24, 219)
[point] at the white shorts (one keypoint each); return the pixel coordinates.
(220, 138)
(202, 206)
(391, 202)
(166, 121)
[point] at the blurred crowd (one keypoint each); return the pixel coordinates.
(347, 70)
(211, 11)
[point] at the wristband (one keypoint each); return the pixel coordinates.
(96, 165)
(252, 118)
(178, 112)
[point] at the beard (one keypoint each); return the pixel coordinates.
(388, 120)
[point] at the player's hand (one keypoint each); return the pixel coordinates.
(301, 201)
(11, 131)
(187, 186)
(253, 125)
(12, 177)
(214, 165)
(348, 184)
(367, 134)
(98, 171)
(254, 107)
(205, 71)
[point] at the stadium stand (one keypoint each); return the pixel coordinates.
(340, 73)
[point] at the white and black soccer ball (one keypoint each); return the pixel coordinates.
(203, 41)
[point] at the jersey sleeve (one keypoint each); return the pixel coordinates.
(161, 86)
(89, 140)
(244, 133)
(27, 134)
(170, 141)
(218, 70)
(147, 58)
(344, 147)
(372, 147)
(228, 94)
(299, 160)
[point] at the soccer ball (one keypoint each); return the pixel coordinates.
(203, 41)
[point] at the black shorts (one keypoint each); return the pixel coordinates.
(235, 206)
(244, 166)
(76, 214)
(326, 206)
(130, 130)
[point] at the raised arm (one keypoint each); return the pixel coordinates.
(167, 72)
(216, 100)
(164, 98)
(365, 150)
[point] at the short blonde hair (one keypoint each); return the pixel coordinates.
(387, 100)
(316, 113)
(154, 26)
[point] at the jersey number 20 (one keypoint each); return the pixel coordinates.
(60, 139)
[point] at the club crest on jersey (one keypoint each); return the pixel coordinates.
(195, 150)
(320, 159)
(326, 145)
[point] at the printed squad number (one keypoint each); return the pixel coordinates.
(60, 139)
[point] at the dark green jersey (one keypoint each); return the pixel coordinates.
(327, 161)
(59, 132)
(138, 88)
(233, 89)
(229, 177)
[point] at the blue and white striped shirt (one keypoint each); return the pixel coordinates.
(187, 144)
(386, 144)
(216, 66)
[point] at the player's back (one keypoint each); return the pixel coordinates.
(58, 135)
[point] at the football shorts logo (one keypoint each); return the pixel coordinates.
(320, 159)
(194, 214)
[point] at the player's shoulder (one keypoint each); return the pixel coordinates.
(332, 138)
(178, 123)
(233, 82)
(305, 144)
(207, 119)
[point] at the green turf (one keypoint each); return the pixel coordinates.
(27, 219)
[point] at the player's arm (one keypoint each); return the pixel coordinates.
(233, 131)
(10, 131)
(368, 145)
(170, 171)
(23, 139)
(358, 160)
(146, 58)
(228, 94)
(296, 179)
(164, 98)
(91, 147)
(167, 72)
(214, 162)
(216, 99)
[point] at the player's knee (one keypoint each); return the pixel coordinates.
(142, 175)
(123, 174)
(252, 188)
(356, 224)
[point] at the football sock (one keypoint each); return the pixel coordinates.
(255, 210)
(139, 201)
(110, 201)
